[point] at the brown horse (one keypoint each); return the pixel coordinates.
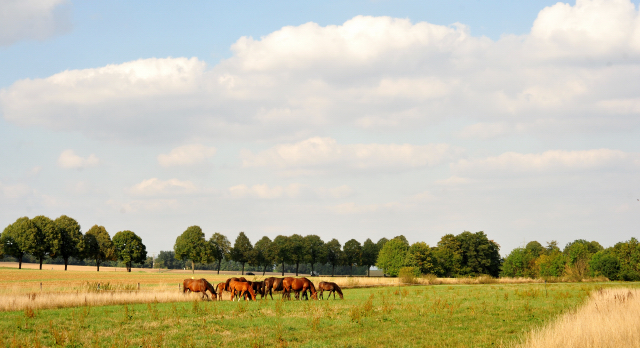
(220, 287)
(272, 284)
(199, 285)
(258, 288)
(331, 287)
(298, 284)
(241, 289)
(231, 281)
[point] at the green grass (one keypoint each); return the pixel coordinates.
(419, 316)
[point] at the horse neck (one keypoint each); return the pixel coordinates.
(312, 287)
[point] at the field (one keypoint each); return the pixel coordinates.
(447, 315)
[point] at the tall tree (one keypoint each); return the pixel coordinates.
(241, 251)
(296, 250)
(369, 254)
(280, 251)
(479, 254)
(392, 256)
(334, 254)
(448, 255)
(43, 237)
(352, 253)
(314, 249)
(221, 247)
(71, 242)
(15, 238)
(381, 243)
(129, 248)
(98, 245)
(191, 245)
(420, 256)
(261, 254)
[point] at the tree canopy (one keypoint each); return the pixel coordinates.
(392, 256)
(71, 242)
(191, 245)
(129, 248)
(241, 251)
(98, 245)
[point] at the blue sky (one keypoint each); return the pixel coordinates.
(364, 119)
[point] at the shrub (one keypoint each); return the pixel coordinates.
(409, 275)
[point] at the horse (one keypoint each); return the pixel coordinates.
(220, 287)
(258, 288)
(332, 288)
(241, 289)
(298, 284)
(231, 281)
(272, 284)
(199, 285)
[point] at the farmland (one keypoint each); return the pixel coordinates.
(482, 315)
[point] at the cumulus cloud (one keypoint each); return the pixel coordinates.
(15, 191)
(32, 19)
(157, 187)
(264, 191)
(320, 152)
(548, 161)
(186, 155)
(571, 72)
(69, 159)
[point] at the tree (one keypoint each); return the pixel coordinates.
(166, 259)
(628, 254)
(296, 250)
(392, 256)
(221, 247)
(41, 242)
(381, 243)
(605, 263)
(71, 242)
(15, 238)
(241, 251)
(98, 245)
(369, 254)
(352, 253)
(314, 249)
(535, 248)
(334, 254)
(191, 245)
(479, 254)
(421, 257)
(578, 254)
(521, 262)
(280, 251)
(448, 256)
(129, 248)
(261, 254)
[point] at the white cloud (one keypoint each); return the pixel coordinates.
(68, 159)
(157, 187)
(354, 208)
(320, 152)
(32, 19)
(263, 191)
(548, 161)
(15, 191)
(186, 155)
(576, 70)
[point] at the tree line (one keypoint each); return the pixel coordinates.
(42, 237)
(578, 259)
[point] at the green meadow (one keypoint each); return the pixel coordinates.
(486, 315)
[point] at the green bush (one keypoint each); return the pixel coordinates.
(409, 275)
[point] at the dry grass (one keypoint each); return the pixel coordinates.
(609, 319)
(37, 301)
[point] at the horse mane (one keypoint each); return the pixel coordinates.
(338, 290)
(312, 286)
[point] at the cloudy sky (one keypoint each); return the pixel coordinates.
(364, 119)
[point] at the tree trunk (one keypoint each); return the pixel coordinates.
(219, 262)
(264, 270)
(66, 262)
(351, 271)
(20, 262)
(283, 268)
(129, 266)
(333, 270)
(369, 271)
(311, 267)
(297, 264)
(98, 265)
(193, 267)
(41, 257)
(243, 268)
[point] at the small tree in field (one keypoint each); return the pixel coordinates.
(191, 245)
(220, 247)
(98, 245)
(241, 251)
(129, 248)
(71, 242)
(334, 254)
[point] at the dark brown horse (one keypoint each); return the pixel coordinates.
(331, 287)
(272, 284)
(199, 285)
(258, 288)
(241, 289)
(297, 285)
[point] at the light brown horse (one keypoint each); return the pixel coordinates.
(332, 288)
(272, 284)
(298, 284)
(241, 289)
(231, 281)
(199, 285)
(220, 287)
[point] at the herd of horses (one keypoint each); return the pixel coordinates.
(243, 288)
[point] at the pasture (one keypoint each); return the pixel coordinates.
(482, 315)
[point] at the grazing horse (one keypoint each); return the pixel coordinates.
(231, 281)
(272, 284)
(331, 287)
(258, 288)
(298, 284)
(199, 285)
(220, 287)
(241, 289)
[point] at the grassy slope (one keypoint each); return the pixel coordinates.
(425, 316)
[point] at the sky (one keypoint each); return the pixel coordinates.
(359, 119)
